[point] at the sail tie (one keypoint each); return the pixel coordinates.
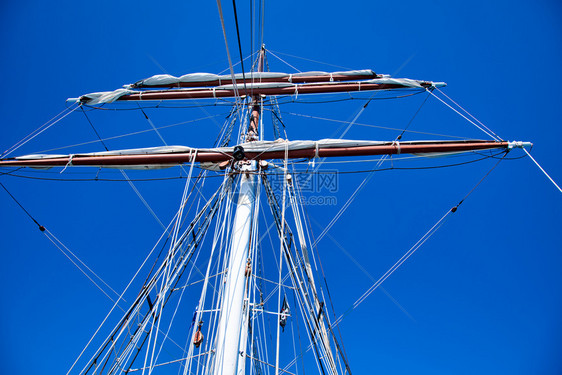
(397, 145)
(70, 157)
(315, 154)
(290, 78)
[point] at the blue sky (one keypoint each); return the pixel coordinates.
(484, 295)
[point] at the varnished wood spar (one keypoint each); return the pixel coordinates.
(185, 157)
(293, 79)
(320, 88)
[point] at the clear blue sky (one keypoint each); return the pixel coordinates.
(484, 295)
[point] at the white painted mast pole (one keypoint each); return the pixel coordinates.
(232, 329)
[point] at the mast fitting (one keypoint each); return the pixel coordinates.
(518, 144)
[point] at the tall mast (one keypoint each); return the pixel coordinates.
(233, 325)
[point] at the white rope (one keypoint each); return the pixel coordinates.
(62, 247)
(120, 297)
(305, 59)
(166, 281)
(358, 264)
(395, 266)
(70, 157)
(130, 134)
(543, 171)
(57, 242)
(127, 287)
(238, 63)
(38, 131)
(237, 94)
(370, 125)
(494, 137)
(219, 230)
(468, 113)
(296, 206)
(284, 62)
(349, 201)
(282, 241)
(144, 202)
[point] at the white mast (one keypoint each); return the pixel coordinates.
(230, 325)
(233, 327)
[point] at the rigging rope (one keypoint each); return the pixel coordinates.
(305, 59)
(41, 228)
(488, 133)
(38, 131)
(543, 171)
(349, 201)
(371, 126)
(131, 184)
(132, 133)
(412, 250)
(468, 113)
(235, 86)
(62, 247)
(239, 45)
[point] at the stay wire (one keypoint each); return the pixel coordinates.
(239, 45)
(131, 184)
(543, 171)
(39, 130)
(56, 242)
(488, 133)
(411, 251)
(468, 113)
(238, 104)
(41, 228)
(412, 119)
(93, 128)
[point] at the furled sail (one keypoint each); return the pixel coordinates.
(207, 85)
(209, 79)
(159, 157)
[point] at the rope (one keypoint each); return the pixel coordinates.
(121, 296)
(144, 202)
(41, 228)
(412, 250)
(371, 126)
(491, 135)
(394, 267)
(56, 242)
(38, 131)
(468, 113)
(129, 134)
(349, 201)
(93, 128)
(283, 61)
(543, 171)
(305, 59)
(131, 184)
(412, 119)
(228, 54)
(239, 44)
(281, 245)
(70, 157)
